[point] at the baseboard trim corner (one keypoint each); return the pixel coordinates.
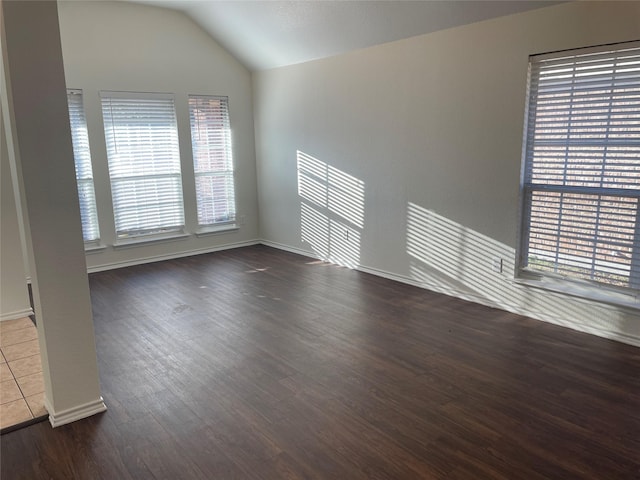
(288, 248)
(63, 417)
(16, 315)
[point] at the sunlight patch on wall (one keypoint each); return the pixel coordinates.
(454, 259)
(464, 256)
(331, 210)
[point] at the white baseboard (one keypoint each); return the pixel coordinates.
(287, 248)
(16, 314)
(389, 275)
(69, 415)
(452, 292)
(160, 258)
(562, 322)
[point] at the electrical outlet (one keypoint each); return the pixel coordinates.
(242, 219)
(496, 265)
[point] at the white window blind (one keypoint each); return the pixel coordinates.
(144, 163)
(581, 181)
(84, 173)
(212, 159)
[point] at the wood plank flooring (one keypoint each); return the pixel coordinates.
(260, 364)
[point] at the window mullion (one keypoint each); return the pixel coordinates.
(558, 233)
(565, 169)
(634, 279)
(594, 254)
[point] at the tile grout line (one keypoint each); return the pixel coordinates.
(15, 379)
(13, 375)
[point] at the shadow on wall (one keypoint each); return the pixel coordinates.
(331, 210)
(450, 258)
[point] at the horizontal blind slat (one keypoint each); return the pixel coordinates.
(212, 156)
(144, 163)
(84, 171)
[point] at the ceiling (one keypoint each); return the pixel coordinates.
(269, 34)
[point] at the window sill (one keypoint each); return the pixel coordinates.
(94, 248)
(587, 291)
(206, 231)
(141, 241)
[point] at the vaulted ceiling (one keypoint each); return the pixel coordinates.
(269, 34)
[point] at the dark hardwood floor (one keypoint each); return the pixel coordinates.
(260, 364)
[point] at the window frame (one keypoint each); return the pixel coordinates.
(628, 296)
(88, 181)
(125, 236)
(228, 172)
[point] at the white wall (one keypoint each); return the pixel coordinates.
(14, 297)
(417, 144)
(130, 47)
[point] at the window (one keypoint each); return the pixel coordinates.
(84, 173)
(144, 163)
(212, 160)
(581, 177)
